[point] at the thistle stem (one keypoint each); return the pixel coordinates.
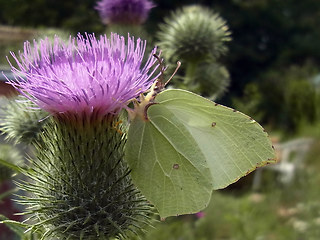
(190, 72)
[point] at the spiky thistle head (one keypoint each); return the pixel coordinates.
(81, 185)
(132, 12)
(193, 33)
(21, 121)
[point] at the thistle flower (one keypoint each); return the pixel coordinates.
(82, 187)
(193, 33)
(83, 75)
(132, 12)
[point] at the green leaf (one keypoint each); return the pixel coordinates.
(189, 146)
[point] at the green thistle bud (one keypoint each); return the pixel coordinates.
(82, 188)
(193, 33)
(10, 154)
(21, 121)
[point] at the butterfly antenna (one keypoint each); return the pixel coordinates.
(174, 73)
(161, 84)
(162, 68)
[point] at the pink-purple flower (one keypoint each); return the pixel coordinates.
(200, 214)
(124, 11)
(85, 74)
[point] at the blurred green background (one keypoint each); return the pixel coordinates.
(273, 61)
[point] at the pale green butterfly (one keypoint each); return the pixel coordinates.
(181, 146)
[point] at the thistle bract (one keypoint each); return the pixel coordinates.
(81, 185)
(132, 12)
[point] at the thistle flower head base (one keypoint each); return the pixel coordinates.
(85, 190)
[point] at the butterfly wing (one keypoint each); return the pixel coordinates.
(190, 146)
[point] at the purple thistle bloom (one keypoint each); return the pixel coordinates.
(200, 214)
(84, 74)
(124, 11)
